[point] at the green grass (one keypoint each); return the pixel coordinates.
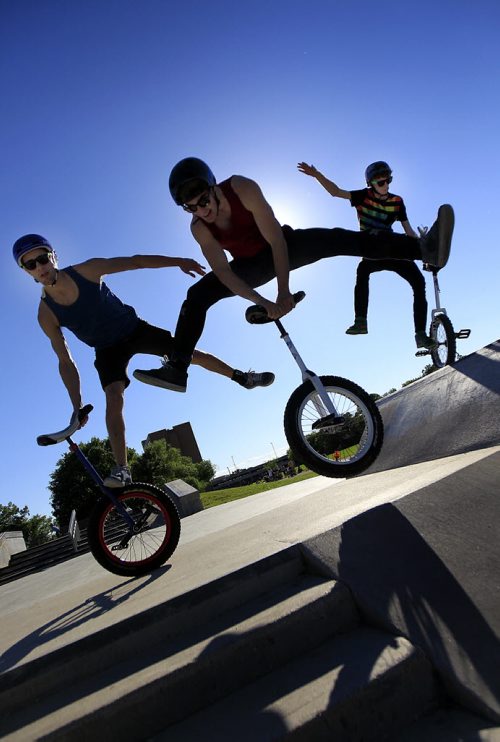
(219, 497)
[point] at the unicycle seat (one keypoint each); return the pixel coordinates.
(49, 439)
(257, 315)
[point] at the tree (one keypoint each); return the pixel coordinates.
(72, 489)
(37, 529)
(429, 369)
(161, 463)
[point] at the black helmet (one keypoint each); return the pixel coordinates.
(189, 178)
(29, 242)
(376, 168)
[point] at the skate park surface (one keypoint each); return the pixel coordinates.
(412, 546)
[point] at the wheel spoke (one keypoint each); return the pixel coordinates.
(126, 549)
(337, 444)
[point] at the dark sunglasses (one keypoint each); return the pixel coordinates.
(383, 181)
(41, 259)
(203, 201)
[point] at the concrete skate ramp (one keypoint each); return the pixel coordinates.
(453, 410)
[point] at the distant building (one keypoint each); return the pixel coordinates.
(181, 437)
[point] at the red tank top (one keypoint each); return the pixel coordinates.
(243, 238)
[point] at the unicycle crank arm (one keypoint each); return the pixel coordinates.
(137, 527)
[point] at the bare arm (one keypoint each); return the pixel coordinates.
(253, 199)
(95, 268)
(67, 367)
(328, 185)
(216, 257)
(408, 229)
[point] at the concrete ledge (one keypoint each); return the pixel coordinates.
(426, 566)
(359, 686)
(186, 498)
(11, 542)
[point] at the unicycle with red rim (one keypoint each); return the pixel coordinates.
(132, 530)
(331, 424)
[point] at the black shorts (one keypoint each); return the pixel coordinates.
(111, 362)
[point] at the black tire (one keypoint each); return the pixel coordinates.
(441, 330)
(343, 450)
(158, 528)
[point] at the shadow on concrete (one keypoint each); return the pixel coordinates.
(90, 609)
(401, 584)
(207, 673)
(481, 368)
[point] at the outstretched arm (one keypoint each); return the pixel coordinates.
(328, 185)
(67, 367)
(408, 229)
(95, 268)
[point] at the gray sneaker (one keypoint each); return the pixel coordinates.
(436, 244)
(118, 477)
(251, 379)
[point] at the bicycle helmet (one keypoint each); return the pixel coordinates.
(377, 168)
(29, 242)
(189, 178)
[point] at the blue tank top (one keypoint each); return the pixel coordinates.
(98, 317)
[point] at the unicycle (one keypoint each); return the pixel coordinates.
(331, 424)
(441, 329)
(132, 530)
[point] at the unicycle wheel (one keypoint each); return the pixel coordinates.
(124, 550)
(441, 330)
(341, 445)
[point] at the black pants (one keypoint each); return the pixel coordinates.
(305, 246)
(404, 268)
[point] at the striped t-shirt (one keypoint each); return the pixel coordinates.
(375, 213)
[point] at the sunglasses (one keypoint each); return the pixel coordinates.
(383, 181)
(203, 201)
(41, 259)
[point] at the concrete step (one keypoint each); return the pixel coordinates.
(245, 623)
(42, 557)
(365, 686)
(451, 725)
(270, 642)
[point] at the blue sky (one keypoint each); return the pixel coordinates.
(100, 98)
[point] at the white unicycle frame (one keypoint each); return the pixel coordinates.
(324, 405)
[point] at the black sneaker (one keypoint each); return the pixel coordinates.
(166, 377)
(436, 244)
(360, 327)
(424, 341)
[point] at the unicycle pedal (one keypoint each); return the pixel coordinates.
(462, 334)
(329, 421)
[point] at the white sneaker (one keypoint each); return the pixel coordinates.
(118, 477)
